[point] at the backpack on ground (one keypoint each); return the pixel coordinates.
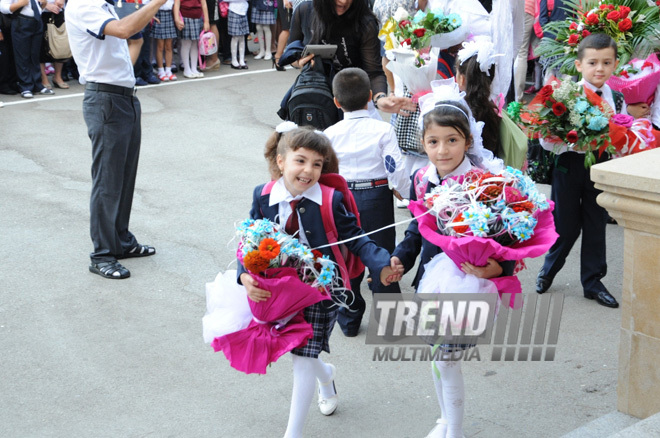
(207, 45)
(311, 102)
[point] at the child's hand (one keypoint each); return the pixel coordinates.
(397, 195)
(178, 23)
(491, 270)
(393, 273)
(253, 292)
(639, 110)
(207, 27)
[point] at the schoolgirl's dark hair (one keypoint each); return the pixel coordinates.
(477, 96)
(596, 41)
(449, 113)
(303, 137)
(325, 18)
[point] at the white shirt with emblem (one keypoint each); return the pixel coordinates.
(100, 58)
(368, 149)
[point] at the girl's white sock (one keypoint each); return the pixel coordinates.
(306, 372)
(260, 36)
(304, 384)
(168, 70)
(194, 53)
(161, 71)
(186, 46)
(234, 50)
(268, 35)
(451, 395)
(241, 50)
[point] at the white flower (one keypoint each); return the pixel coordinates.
(400, 14)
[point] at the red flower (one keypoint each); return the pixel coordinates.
(624, 11)
(572, 137)
(585, 33)
(573, 26)
(592, 19)
(606, 7)
(647, 64)
(657, 3)
(573, 39)
(614, 16)
(624, 74)
(407, 41)
(404, 23)
(558, 108)
(625, 25)
(547, 91)
(419, 32)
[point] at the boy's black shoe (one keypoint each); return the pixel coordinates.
(543, 283)
(603, 297)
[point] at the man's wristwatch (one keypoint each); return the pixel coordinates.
(380, 96)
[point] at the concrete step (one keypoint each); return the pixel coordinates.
(646, 428)
(605, 426)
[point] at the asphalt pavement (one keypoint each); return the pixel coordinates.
(83, 356)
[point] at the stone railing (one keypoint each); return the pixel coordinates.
(631, 194)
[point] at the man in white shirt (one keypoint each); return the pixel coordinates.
(112, 114)
(372, 163)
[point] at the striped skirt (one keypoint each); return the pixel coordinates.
(166, 29)
(237, 24)
(192, 27)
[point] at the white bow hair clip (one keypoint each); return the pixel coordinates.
(285, 127)
(485, 51)
(290, 126)
(441, 90)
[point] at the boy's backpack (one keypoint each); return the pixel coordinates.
(208, 45)
(311, 102)
(349, 264)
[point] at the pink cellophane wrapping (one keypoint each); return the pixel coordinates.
(477, 250)
(251, 350)
(640, 87)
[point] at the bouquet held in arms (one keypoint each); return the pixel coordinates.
(255, 334)
(412, 44)
(571, 114)
(481, 215)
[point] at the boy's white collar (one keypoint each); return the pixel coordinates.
(280, 193)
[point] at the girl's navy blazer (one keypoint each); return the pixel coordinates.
(374, 257)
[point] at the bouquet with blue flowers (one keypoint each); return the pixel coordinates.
(481, 215)
(263, 245)
(568, 113)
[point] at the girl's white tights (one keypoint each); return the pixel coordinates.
(306, 371)
(189, 53)
(264, 35)
(237, 46)
(451, 396)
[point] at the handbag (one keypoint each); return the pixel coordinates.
(540, 163)
(58, 40)
(224, 9)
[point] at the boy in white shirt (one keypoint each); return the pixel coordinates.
(372, 163)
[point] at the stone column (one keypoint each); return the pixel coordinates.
(631, 194)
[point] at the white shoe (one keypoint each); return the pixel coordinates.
(402, 204)
(268, 56)
(189, 75)
(198, 74)
(260, 55)
(328, 406)
(440, 429)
